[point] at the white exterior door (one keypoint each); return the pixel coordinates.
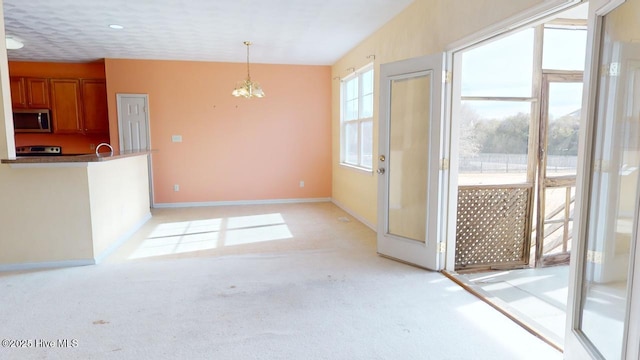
(410, 143)
(133, 121)
(603, 317)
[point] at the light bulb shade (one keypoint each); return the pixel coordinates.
(248, 89)
(13, 44)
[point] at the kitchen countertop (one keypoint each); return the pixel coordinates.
(104, 156)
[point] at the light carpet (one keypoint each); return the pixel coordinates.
(337, 300)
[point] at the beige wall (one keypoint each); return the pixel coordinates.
(66, 214)
(425, 27)
(118, 203)
(44, 215)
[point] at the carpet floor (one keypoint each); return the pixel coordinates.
(314, 289)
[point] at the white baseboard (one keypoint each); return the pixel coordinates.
(354, 214)
(46, 265)
(240, 202)
(122, 239)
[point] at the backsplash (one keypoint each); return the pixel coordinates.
(71, 144)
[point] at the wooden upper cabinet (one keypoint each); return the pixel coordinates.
(66, 108)
(18, 93)
(38, 93)
(78, 106)
(94, 105)
(30, 93)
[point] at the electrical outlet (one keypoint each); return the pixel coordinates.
(92, 146)
(176, 187)
(176, 138)
(301, 183)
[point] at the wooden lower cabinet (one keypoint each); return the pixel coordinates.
(79, 106)
(65, 106)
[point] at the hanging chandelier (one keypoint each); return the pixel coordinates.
(248, 88)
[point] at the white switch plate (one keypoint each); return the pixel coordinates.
(301, 183)
(176, 138)
(176, 187)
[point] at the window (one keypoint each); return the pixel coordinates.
(564, 47)
(502, 68)
(496, 110)
(356, 125)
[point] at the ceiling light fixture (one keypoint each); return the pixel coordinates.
(13, 44)
(247, 88)
(116, 26)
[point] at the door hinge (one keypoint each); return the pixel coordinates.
(442, 247)
(612, 69)
(595, 257)
(444, 164)
(447, 76)
(601, 165)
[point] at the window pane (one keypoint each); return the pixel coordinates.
(564, 49)
(351, 143)
(357, 104)
(565, 101)
(352, 88)
(351, 110)
(367, 82)
(501, 68)
(494, 137)
(367, 106)
(367, 144)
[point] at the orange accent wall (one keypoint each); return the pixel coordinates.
(232, 149)
(71, 144)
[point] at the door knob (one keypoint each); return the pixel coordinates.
(381, 171)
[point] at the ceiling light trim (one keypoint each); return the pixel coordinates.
(12, 43)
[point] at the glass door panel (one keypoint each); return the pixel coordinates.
(557, 169)
(565, 102)
(603, 316)
(408, 151)
(613, 214)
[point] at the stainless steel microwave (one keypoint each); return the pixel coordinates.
(32, 121)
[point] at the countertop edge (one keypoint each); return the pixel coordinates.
(74, 158)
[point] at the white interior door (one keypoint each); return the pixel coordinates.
(410, 142)
(133, 121)
(133, 125)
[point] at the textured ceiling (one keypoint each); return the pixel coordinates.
(283, 31)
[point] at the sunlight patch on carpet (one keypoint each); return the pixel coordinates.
(197, 235)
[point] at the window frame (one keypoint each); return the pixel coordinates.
(359, 121)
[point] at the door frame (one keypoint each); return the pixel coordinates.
(527, 18)
(145, 97)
